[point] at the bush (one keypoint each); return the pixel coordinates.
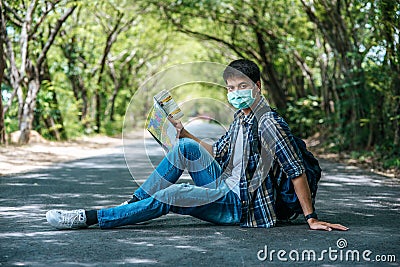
(304, 116)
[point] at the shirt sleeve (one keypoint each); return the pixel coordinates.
(277, 139)
(220, 148)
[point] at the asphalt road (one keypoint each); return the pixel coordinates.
(367, 203)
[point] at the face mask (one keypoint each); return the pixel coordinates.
(241, 99)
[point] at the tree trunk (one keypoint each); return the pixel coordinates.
(269, 74)
(2, 67)
(117, 86)
(98, 111)
(53, 128)
(54, 120)
(29, 108)
(71, 52)
(273, 85)
(112, 101)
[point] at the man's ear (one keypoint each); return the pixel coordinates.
(258, 83)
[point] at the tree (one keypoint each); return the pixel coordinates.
(2, 67)
(242, 27)
(31, 27)
(108, 49)
(389, 21)
(351, 31)
(327, 65)
(48, 117)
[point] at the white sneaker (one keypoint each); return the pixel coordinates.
(67, 219)
(124, 203)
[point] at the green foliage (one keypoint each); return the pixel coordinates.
(334, 65)
(11, 117)
(11, 121)
(381, 157)
(304, 116)
(113, 128)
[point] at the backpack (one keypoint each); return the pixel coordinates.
(286, 202)
(311, 164)
(313, 172)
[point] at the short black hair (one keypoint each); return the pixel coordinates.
(242, 67)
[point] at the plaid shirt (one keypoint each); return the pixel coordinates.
(269, 155)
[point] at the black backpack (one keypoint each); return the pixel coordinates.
(311, 164)
(287, 203)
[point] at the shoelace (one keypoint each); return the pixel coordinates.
(70, 218)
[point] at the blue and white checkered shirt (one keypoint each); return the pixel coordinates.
(269, 155)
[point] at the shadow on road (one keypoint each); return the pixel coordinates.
(367, 203)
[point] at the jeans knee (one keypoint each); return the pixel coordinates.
(175, 194)
(189, 148)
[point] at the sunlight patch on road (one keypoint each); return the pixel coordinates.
(349, 179)
(137, 260)
(192, 248)
(33, 234)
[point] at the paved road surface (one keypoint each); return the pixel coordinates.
(367, 203)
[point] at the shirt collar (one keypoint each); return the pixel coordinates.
(248, 119)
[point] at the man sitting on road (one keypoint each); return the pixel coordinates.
(233, 179)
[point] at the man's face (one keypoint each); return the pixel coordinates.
(242, 92)
(241, 83)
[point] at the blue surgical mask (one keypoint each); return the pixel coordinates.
(241, 99)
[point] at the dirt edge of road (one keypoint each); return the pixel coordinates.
(17, 159)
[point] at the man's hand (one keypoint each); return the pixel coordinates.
(178, 126)
(320, 225)
(303, 193)
(182, 133)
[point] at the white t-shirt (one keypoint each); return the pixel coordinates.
(233, 180)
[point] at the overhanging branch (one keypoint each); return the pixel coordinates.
(53, 35)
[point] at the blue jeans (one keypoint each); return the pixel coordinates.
(209, 199)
